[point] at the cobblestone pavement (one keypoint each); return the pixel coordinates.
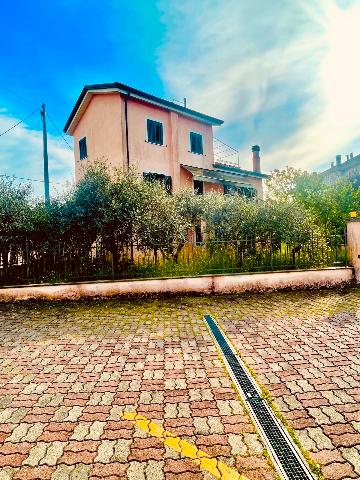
(305, 350)
(68, 372)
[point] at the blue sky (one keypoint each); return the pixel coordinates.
(284, 75)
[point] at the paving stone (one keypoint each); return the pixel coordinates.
(321, 440)
(352, 455)
(237, 444)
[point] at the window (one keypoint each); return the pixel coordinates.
(196, 143)
(83, 148)
(159, 177)
(155, 132)
(198, 234)
(198, 187)
(248, 192)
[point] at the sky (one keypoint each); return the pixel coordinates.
(283, 75)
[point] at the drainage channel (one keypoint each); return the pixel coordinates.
(284, 452)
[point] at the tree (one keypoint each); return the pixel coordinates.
(14, 218)
(330, 203)
(161, 225)
(282, 183)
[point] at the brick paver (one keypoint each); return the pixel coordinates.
(68, 372)
(305, 349)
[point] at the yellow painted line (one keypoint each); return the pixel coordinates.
(218, 469)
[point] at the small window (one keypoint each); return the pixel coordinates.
(247, 192)
(83, 148)
(196, 143)
(198, 234)
(165, 180)
(198, 187)
(155, 132)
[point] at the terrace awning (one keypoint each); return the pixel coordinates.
(219, 176)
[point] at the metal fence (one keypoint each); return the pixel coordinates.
(25, 263)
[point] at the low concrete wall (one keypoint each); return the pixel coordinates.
(76, 291)
(295, 279)
(238, 283)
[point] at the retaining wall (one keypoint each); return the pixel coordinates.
(207, 284)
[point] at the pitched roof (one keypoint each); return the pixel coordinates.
(140, 95)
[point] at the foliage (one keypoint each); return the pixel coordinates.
(328, 203)
(236, 217)
(281, 184)
(135, 226)
(14, 208)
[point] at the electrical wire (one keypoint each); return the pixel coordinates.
(29, 179)
(16, 94)
(18, 123)
(60, 132)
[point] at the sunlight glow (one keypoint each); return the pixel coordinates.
(341, 66)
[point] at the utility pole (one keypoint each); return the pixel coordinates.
(45, 154)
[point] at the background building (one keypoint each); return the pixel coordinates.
(350, 169)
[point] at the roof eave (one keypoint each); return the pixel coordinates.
(132, 92)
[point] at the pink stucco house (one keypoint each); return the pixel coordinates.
(163, 140)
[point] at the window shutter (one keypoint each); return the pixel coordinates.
(155, 132)
(196, 145)
(82, 148)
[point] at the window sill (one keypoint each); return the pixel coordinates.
(199, 154)
(157, 144)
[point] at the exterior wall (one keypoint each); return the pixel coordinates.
(258, 184)
(187, 125)
(353, 242)
(101, 124)
(167, 158)
(213, 187)
(144, 156)
(258, 282)
(186, 179)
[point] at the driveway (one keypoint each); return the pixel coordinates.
(137, 390)
(88, 390)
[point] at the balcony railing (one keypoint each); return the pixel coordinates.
(225, 154)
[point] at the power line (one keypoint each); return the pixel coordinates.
(18, 123)
(60, 132)
(29, 179)
(16, 94)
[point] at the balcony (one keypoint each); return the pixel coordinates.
(225, 155)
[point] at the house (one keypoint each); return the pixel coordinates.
(349, 169)
(163, 140)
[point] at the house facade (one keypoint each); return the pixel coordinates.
(126, 127)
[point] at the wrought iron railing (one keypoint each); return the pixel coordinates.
(24, 262)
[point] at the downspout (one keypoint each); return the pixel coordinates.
(127, 130)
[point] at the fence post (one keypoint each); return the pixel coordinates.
(353, 245)
(27, 259)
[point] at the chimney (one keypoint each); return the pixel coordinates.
(256, 158)
(338, 160)
(351, 155)
(332, 164)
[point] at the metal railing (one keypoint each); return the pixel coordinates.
(25, 262)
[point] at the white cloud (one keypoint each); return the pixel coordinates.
(21, 155)
(282, 74)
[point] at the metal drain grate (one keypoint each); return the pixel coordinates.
(285, 454)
